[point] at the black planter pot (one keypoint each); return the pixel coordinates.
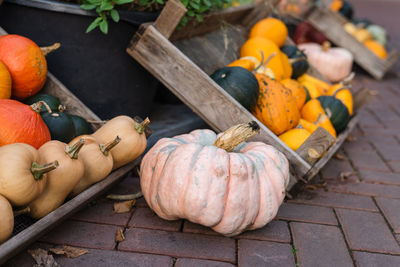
(94, 66)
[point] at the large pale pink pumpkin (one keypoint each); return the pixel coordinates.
(188, 177)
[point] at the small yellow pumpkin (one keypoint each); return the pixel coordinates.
(311, 88)
(309, 126)
(322, 86)
(341, 92)
(294, 138)
(376, 48)
(272, 29)
(313, 111)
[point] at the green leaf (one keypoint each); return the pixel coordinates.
(190, 13)
(114, 15)
(185, 2)
(106, 6)
(104, 27)
(88, 6)
(160, 2)
(93, 25)
(121, 2)
(199, 18)
(194, 5)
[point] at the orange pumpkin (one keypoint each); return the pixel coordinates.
(297, 90)
(26, 64)
(309, 126)
(322, 86)
(272, 29)
(21, 123)
(376, 48)
(249, 63)
(276, 107)
(314, 112)
(5, 82)
(262, 48)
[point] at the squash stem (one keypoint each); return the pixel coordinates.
(38, 170)
(141, 127)
(72, 151)
(107, 147)
(96, 122)
(237, 134)
(48, 49)
(38, 106)
(125, 197)
(23, 211)
(326, 46)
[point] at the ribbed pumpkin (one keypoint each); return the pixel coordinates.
(276, 107)
(272, 29)
(5, 82)
(313, 111)
(298, 91)
(262, 48)
(376, 48)
(26, 64)
(298, 60)
(195, 177)
(240, 83)
(341, 92)
(294, 138)
(21, 123)
(336, 111)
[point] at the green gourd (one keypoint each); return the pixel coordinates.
(240, 83)
(81, 126)
(60, 125)
(336, 111)
(52, 101)
(297, 59)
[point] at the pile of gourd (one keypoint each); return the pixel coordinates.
(373, 36)
(38, 173)
(270, 80)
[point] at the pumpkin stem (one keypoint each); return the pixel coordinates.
(48, 49)
(125, 197)
(22, 211)
(141, 127)
(105, 148)
(62, 108)
(96, 122)
(318, 119)
(38, 170)
(237, 134)
(264, 63)
(325, 46)
(294, 60)
(38, 106)
(72, 151)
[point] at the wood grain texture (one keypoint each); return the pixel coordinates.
(319, 141)
(22, 240)
(170, 17)
(198, 91)
(332, 150)
(331, 24)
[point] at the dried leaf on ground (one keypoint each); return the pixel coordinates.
(124, 206)
(345, 175)
(43, 258)
(70, 252)
(351, 138)
(340, 156)
(119, 237)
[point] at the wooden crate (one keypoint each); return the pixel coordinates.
(332, 25)
(30, 230)
(184, 67)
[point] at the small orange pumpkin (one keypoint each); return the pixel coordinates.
(309, 126)
(276, 107)
(314, 112)
(21, 123)
(249, 63)
(322, 86)
(26, 64)
(298, 91)
(376, 48)
(272, 29)
(5, 82)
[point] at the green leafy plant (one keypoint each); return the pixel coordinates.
(104, 8)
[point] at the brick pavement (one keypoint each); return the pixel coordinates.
(350, 221)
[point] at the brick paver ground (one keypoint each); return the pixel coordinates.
(347, 221)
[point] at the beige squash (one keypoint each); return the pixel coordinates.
(6, 219)
(61, 181)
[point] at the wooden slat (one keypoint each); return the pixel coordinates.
(332, 150)
(331, 24)
(197, 90)
(170, 17)
(22, 240)
(318, 142)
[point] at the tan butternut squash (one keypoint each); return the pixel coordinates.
(133, 139)
(22, 177)
(6, 219)
(97, 160)
(61, 181)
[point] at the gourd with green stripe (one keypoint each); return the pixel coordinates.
(336, 111)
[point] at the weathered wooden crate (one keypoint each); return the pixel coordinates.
(184, 66)
(28, 230)
(332, 25)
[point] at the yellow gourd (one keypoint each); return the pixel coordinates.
(294, 138)
(309, 126)
(311, 88)
(322, 86)
(376, 48)
(314, 112)
(344, 94)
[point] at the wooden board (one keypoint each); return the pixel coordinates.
(331, 24)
